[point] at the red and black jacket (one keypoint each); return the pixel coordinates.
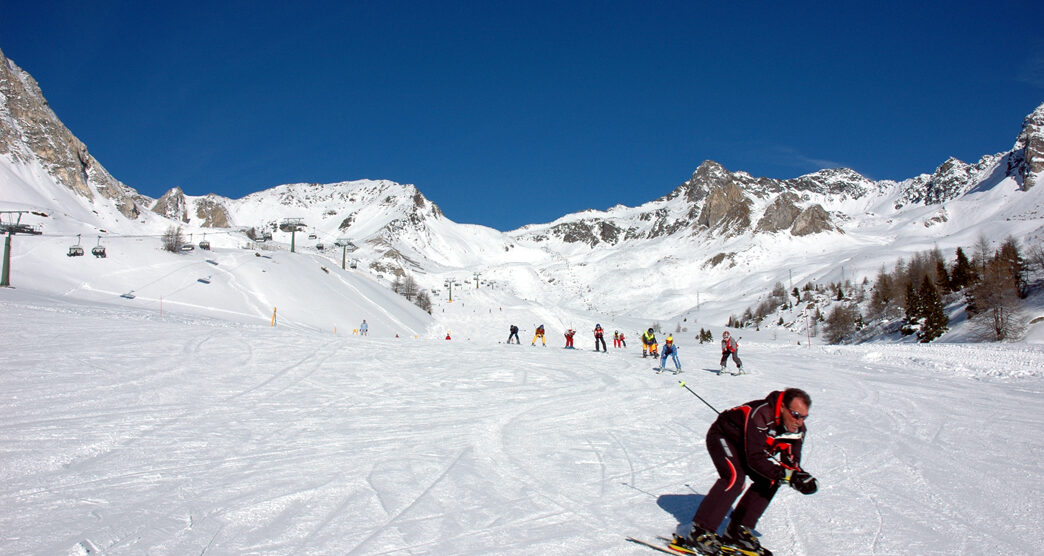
(756, 429)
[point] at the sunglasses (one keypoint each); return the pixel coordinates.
(797, 415)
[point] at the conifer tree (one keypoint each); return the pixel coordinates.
(935, 319)
(962, 274)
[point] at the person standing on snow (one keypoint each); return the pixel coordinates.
(364, 328)
(600, 337)
(649, 343)
(623, 342)
(513, 334)
(569, 338)
(743, 442)
(539, 334)
(616, 338)
(669, 349)
(729, 346)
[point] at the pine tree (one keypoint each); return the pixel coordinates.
(942, 278)
(912, 304)
(962, 274)
(935, 320)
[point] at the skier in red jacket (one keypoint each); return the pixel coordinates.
(744, 442)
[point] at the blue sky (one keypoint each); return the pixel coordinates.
(506, 114)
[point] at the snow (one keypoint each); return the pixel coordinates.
(125, 431)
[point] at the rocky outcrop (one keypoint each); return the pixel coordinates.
(212, 213)
(726, 209)
(780, 215)
(172, 205)
(31, 132)
(813, 220)
(1029, 150)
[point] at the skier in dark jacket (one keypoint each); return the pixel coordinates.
(600, 337)
(513, 334)
(743, 442)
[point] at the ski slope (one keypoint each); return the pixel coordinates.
(124, 431)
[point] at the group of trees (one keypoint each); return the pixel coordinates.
(407, 286)
(915, 291)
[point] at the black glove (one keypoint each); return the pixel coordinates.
(801, 481)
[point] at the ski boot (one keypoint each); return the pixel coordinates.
(700, 540)
(741, 537)
(721, 371)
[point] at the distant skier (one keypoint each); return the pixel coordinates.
(623, 341)
(669, 349)
(649, 343)
(364, 328)
(600, 337)
(742, 443)
(539, 334)
(569, 338)
(729, 346)
(616, 338)
(513, 334)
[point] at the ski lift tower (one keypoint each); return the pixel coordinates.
(11, 224)
(292, 225)
(449, 285)
(346, 247)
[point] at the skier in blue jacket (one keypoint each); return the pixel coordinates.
(670, 349)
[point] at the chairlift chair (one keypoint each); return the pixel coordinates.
(204, 245)
(75, 250)
(99, 250)
(320, 246)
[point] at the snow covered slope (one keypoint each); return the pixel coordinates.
(127, 433)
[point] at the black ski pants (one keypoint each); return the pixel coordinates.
(732, 474)
(602, 340)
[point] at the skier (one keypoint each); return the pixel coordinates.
(729, 347)
(669, 349)
(600, 337)
(623, 341)
(616, 338)
(513, 334)
(364, 328)
(649, 343)
(539, 334)
(742, 442)
(569, 338)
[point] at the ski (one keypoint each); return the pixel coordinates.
(661, 548)
(669, 546)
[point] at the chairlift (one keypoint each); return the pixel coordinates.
(313, 236)
(320, 246)
(204, 280)
(99, 250)
(204, 245)
(128, 295)
(75, 250)
(354, 263)
(188, 247)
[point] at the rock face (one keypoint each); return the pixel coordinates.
(30, 131)
(1028, 153)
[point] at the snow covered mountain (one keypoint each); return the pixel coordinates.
(708, 249)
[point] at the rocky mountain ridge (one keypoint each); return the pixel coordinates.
(398, 230)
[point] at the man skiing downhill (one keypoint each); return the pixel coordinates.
(669, 349)
(729, 346)
(744, 442)
(569, 338)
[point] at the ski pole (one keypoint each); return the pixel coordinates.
(685, 386)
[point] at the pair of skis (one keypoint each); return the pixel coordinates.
(671, 546)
